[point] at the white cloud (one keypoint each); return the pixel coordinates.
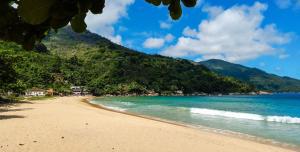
(199, 3)
(213, 11)
(169, 38)
(190, 32)
(112, 13)
(165, 25)
(152, 43)
(235, 35)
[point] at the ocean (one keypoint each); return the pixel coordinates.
(273, 118)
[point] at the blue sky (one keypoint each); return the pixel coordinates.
(262, 34)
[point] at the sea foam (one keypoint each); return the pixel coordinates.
(248, 116)
(116, 108)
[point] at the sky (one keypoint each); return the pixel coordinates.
(262, 34)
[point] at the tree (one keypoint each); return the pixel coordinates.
(7, 72)
(28, 21)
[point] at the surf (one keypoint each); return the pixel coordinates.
(248, 116)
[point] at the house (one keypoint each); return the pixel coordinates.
(35, 92)
(79, 91)
(76, 90)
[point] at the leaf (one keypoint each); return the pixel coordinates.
(97, 6)
(166, 2)
(78, 24)
(154, 2)
(175, 9)
(189, 3)
(35, 11)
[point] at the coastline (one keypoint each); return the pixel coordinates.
(72, 124)
(202, 128)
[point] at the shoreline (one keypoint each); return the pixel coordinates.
(229, 133)
(73, 124)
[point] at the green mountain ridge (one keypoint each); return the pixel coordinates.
(104, 67)
(155, 72)
(259, 78)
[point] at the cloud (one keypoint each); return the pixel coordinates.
(235, 34)
(165, 25)
(169, 38)
(190, 32)
(103, 24)
(213, 11)
(199, 3)
(152, 43)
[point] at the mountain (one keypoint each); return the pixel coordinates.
(104, 67)
(260, 79)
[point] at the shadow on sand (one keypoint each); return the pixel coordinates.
(11, 106)
(12, 110)
(5, 117)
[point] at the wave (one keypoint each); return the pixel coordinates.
(115, 108)
(248, 116)
(127, 103)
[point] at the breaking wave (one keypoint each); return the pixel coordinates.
(116, 108)
(248, 116)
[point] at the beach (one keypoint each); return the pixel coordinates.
(68, 124)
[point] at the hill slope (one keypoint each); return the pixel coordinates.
(104, 67)
(109, 67)
(257, 77)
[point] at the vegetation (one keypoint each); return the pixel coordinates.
(260, 79)
(28, 21)
(107, 68)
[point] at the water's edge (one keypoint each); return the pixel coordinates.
(239, 135)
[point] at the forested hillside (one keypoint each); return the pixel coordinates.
(260, 79)
(105, 68)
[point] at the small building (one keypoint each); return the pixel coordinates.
(79, 91)
(35, 92)
(76, 90)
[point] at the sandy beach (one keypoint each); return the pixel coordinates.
(68, 124)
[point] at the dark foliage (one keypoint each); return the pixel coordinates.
(29, 21)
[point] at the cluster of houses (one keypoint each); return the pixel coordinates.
(75, 91)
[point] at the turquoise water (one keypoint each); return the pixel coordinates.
(275, 117)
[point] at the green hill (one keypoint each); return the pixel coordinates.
(104, 67)
(260, 79)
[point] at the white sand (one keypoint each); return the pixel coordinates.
(67, 125)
